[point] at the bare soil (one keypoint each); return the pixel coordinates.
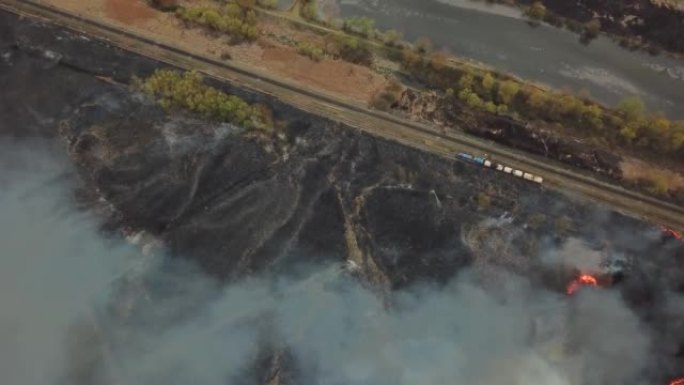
(335, 76)
(128, 11)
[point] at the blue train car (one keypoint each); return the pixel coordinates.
(470, 158)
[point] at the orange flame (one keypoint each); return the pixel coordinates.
(585, 280)
(678, 381)
(677, 235)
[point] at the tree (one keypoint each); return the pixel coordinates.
(677, 137)
(536, 11)
(632, 109)
(466, 81)
(502, 109)
(410, 58)
(488, 82)
(537, 99)
(659, 184)
(592, 115)
(423, 46)
(490, 107)
(438, 60)
(391, 37)
(473, 100)
(592, 28)
(629, 132)
(567, 106)
(363, 26)
(507, 91)
(353, 50)
(309, 11)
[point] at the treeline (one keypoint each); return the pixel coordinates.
(173, 89)
(627, 124)
(635, 23)
(237, 19)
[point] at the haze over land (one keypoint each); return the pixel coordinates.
(88, 308)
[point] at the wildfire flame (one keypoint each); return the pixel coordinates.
(587, 280)
(675, 234)
(678, 381)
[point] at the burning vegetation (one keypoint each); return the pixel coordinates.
(582, 280)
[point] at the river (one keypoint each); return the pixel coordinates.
(500, 37)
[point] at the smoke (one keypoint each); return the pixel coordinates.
(80, 307)
(53, 264)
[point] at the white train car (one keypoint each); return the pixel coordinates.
(483, 161)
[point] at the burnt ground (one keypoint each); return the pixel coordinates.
(315, 192)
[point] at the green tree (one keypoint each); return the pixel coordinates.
(507, 91)
(353, 50)
(361, 25)
(474, 101)
(629, 132)
(309, 10)
(537, 100)
(490, 107)
(488, 82)
(632, 109)
(466, 82)
(592, 115)
(659, 184)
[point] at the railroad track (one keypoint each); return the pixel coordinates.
(353, 114)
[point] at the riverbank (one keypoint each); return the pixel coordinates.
(545, 54)
(279, 35)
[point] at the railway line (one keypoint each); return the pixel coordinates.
(356, 115)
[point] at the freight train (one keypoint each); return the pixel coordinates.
(482, 161)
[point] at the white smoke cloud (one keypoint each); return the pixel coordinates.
(58, 274)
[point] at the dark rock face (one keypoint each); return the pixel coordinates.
(437, 109)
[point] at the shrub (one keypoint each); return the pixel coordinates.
(351, 49)
(483, 200)
(360, 25)
(309, 10)
(234, 20)
(310, 50)
(388, 97)
(537, 11)
(391, 37)
(173, 89)
(658, 184)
